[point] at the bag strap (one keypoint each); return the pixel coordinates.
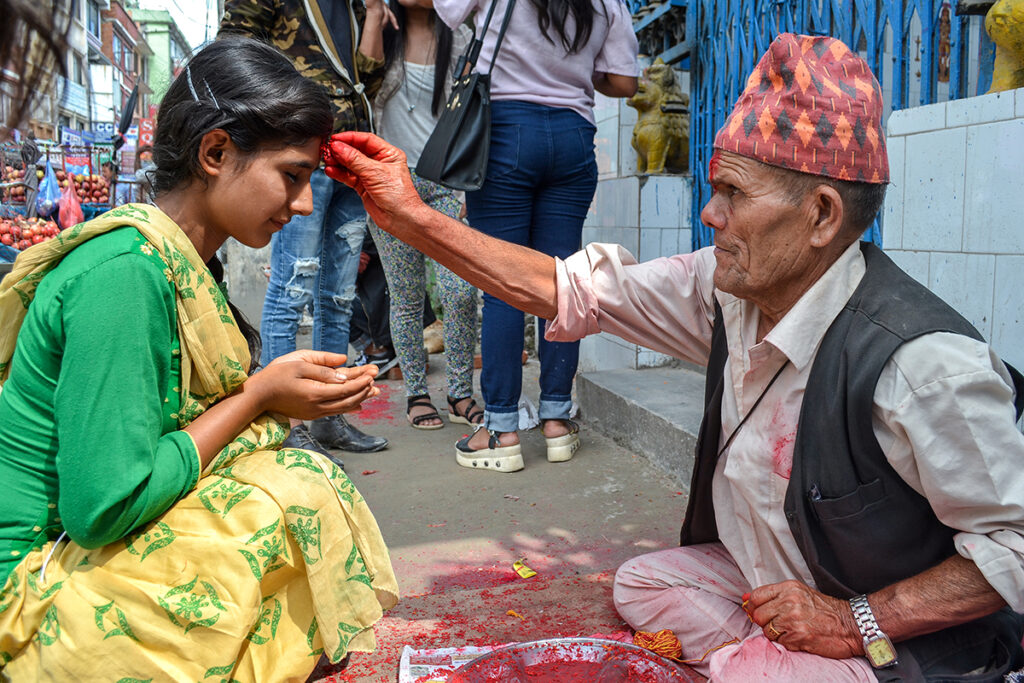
(469, 57)
(501, 33)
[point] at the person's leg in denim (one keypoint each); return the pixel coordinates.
(314, 262)
(559, 209)
(540, 182)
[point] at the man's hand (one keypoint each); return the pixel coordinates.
(803, 619)
(377, 171)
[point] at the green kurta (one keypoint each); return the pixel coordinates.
(89, 440)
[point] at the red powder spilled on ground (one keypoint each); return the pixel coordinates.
(380, 408)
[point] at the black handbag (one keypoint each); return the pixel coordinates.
(456, 151)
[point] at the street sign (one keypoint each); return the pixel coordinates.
(145, 132)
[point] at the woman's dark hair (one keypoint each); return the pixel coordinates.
(110, 166)
(394, 50)
(554, 13)
(253, 93)
(247, 89)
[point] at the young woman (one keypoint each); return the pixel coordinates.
(420, 56)
(151, 527)
(541, 178)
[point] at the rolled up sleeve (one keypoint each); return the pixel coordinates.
(945, 419)
(455, 12)
(666, 304)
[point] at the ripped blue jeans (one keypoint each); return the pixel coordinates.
(314, 262)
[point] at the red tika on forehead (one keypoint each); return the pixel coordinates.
(810, 105)
(713, 165)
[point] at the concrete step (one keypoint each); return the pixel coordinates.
(655, 412)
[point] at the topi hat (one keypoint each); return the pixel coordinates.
(810, 105)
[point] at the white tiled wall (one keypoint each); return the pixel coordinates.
(954, 213)
(649, 216)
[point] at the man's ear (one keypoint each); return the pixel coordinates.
(215, 152)
(826, 209)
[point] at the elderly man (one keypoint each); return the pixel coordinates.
(857, 505)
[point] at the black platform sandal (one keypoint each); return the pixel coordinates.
(417, 422)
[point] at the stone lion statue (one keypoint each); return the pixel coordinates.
(661, 136)
(1005, 25)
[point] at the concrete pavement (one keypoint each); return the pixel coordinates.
(454, 533)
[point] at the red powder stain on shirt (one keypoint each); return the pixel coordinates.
(782, 455)
(380, 408)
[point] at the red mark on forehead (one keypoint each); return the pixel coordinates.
(713, 165)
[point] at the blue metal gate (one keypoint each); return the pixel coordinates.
(918, 49)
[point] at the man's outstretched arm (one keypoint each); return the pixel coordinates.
(378, 172)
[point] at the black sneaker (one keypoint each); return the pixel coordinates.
(336, 432)
(301, 438)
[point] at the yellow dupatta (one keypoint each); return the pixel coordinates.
(286, 528)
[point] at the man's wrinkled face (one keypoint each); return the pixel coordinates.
(761, 240)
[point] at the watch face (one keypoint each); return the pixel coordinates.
(880, 652)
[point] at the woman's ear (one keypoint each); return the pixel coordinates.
(827, 215)
(215, 151)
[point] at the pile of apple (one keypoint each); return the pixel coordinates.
(14, 194)
(21, 233)
(91, 189)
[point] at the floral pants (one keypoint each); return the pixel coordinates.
(405, 269)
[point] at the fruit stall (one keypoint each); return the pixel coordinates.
(18, 228)
(80, 165)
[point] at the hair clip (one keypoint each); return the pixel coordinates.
(188, 77)
(210, 92)
(192, 88)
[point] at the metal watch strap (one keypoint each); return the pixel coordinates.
(865, 617)
(878, 649)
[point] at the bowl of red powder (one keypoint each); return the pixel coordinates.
(572, 660)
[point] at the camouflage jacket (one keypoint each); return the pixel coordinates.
(297, 28)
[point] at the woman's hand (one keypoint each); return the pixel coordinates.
(309, 384)
(378, 15)
(379, 174)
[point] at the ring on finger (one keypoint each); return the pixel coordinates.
(772, 633)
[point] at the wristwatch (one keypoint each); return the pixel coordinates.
(877, 646)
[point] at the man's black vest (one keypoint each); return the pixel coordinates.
(858, 525)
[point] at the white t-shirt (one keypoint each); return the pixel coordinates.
(532, 68)
(406, 118)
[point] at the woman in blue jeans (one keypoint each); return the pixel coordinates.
(541, 178)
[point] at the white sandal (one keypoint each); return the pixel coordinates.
(495, 457)
(562, 448)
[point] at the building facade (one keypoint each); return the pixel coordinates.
(168, 44)
(121, 64)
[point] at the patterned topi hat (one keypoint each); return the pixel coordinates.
(810, 105)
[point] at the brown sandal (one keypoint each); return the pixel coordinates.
(472, 415)
(417, 422)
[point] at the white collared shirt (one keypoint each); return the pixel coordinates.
(943, 411)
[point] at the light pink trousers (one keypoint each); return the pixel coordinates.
(696, 592)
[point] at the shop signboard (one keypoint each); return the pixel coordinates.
(145, 132)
